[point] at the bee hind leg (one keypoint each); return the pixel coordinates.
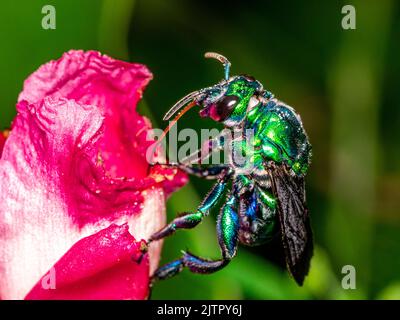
(194, 263)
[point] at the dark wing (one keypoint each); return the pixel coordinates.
(294, 220)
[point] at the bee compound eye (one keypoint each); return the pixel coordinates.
(226, 105)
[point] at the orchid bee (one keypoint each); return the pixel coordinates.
(255, 205)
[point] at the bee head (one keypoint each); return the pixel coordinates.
(227, 101)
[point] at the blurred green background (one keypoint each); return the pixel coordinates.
(344, 83)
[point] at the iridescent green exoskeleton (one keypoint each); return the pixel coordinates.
(263, 200)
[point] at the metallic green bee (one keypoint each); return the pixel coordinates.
(266, 201)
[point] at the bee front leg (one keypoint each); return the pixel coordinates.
(188, 164)
(209, 172)
(208, 147)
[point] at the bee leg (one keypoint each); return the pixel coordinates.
(194, 263)
(209, 172)
(168, 270)
(208, 147)
(191, 219)
(198, 156)
(228, 228)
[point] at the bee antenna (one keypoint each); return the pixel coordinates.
(225, 62)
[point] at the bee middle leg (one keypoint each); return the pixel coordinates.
(189, 220)
(227, 229)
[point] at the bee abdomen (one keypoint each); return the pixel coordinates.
(257, 218)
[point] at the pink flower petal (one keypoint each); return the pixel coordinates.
(107, 274)
(73, 164)
(113, 86)
(2, 141)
